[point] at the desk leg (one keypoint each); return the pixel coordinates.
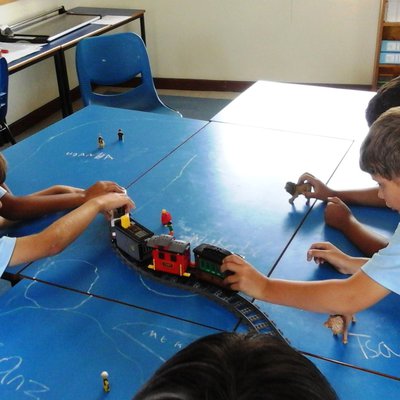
(142, 29)
(63, 84)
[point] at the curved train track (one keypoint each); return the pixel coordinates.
(249, 313)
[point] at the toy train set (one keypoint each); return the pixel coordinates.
(167, 259)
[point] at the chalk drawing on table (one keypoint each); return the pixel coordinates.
(372, 348)
(81, 127)
(11, 377)
(96, 156)
(142, 335)
(156, 334)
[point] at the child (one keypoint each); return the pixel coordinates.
(53, 199)
(380, 157)
(61, 233)
(226, 366)
(337, 214)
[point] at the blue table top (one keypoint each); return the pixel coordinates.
(91, 265)
(374, 338)
(67, 152)
(223, 184)
(201, 184)
(61, 341)
(355, 384)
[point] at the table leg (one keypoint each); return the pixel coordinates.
(63, 84)
(142, 29)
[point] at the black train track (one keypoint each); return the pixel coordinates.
(249, 313)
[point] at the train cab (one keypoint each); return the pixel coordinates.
(170, 255)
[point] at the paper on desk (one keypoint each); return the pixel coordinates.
(18, 50)
(111, 19)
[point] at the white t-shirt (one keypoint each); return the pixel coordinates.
(384, 266)
(7, 245)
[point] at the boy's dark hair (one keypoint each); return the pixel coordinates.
(3, 169)
(387, 96)
(232, 366)
(380, 150)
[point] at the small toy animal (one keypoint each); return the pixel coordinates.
(296, 189)
(339, 325)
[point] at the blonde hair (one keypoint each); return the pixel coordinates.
(380, 151)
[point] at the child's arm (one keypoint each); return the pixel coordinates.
(364, 197)
(64, 231)
(32, 206)
(343, 296)
(339, 216)
(57, 189)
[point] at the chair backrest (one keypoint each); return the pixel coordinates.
(3, 88)
(112, 60)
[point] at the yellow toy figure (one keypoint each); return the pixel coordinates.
(126, 221)
(100, 142)
(106, 383)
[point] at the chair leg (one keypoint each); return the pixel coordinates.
(5, 129)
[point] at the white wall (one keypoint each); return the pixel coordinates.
(310, 41)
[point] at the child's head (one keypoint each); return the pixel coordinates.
(380, 150)
(3, 169)
(228, 366)
(388, 96)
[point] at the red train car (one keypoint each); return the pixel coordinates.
(170, 255)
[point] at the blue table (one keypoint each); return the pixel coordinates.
(67, 151)
(355, 384)
(374, 338)
(212, 199)
(54, 343)
(213, 184)
(223, 184)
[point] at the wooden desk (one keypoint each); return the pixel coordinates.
(57, 48)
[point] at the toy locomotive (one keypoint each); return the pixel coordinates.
(166, 254)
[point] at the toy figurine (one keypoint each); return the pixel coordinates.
(126, 221)
(339, 325)
(100, 142)
(166, 220)
(106, 383)
(296, 189)
(120, 135)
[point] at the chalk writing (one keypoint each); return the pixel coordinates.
(162, 338)
(9, 368)
(95, 156)
(373, 349)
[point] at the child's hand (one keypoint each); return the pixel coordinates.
(113, 200)
(244, 276)
(320, 190)
(337, 214)
(103, 187)
(327, 252)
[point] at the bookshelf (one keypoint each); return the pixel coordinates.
(387, 54)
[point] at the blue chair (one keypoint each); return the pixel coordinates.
(5, 132)
(113, 60)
